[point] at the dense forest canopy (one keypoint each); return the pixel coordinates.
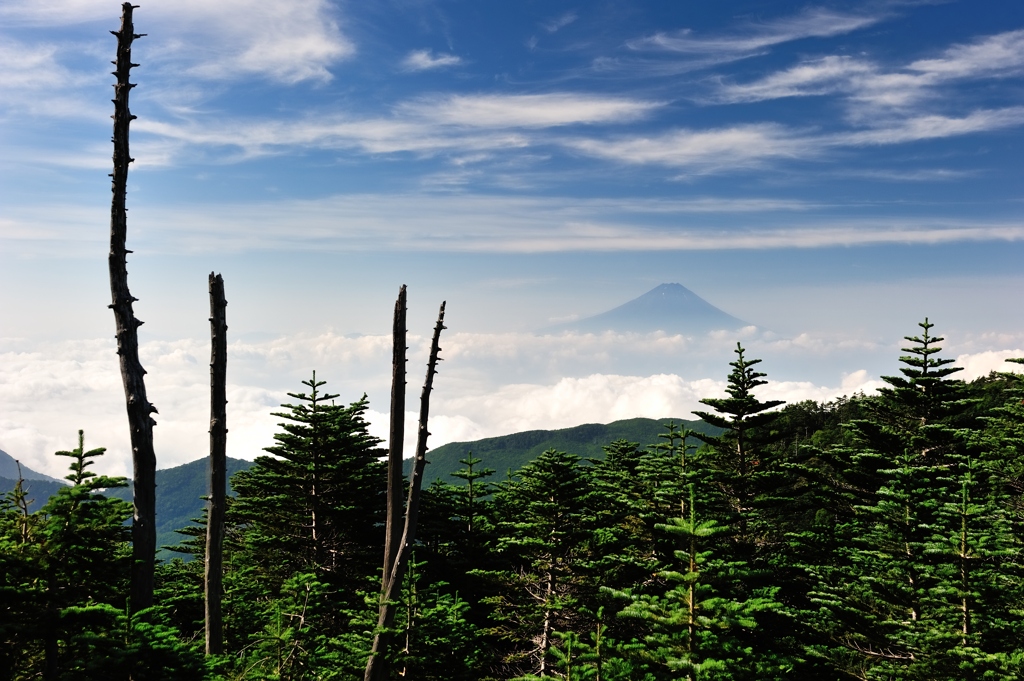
(872, 537)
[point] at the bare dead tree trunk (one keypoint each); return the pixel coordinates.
(218, 466)
(140, 410)
(376, 666)
(548, 628)
(396, 436)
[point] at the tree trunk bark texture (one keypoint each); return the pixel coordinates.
(377, 665)
(218, 466)
(140, 410)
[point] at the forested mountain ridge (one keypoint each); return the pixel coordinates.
(180, 493)
(873, 537)
(181, 489)
(511, 452)
(179, 497)
(37, 491)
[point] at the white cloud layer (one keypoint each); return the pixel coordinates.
(50, 390)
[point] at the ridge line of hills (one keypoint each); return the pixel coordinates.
(180, 490)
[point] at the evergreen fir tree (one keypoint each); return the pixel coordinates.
(547, 540)
(304, 527)
(316, 505)
(697, 629)
(913, 571)
(739, 453)
(65, 585)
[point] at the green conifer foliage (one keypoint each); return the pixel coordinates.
(440, 641)
(74, 556)
(457, 523)
(628, 486)
(64, 588)
(739, 453)
(316, 505)
(475, 491)
(304, 535)
(698, 629)
(547, 539)
(926, 545)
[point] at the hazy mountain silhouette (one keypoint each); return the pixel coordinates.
(671, 308)
(9, 469)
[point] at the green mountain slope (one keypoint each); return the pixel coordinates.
(38, 491)
(180, 490)
(179, 497)
(512, 452)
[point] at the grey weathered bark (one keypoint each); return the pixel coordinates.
(218, 466)
(140, 421)
(377, 666)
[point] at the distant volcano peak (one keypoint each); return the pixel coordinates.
(671, 308)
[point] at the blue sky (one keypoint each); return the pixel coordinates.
(830, 172)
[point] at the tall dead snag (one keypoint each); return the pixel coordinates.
(140, 410)
(393, 536)
(377, 665)
(218, 466)
(393, 528)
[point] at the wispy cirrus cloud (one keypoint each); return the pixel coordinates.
(35, 79)
(870, 88)
(558, 23)
(748, 146)
(733, 147)
(491, 224)
(30, 67)
(756, 36)
(815, 77)
(928, 127)
(426, 60)
(1002, 53)
(430, 125)
(287, 41)
(528, 111)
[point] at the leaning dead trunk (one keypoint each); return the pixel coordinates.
(218, 466)
(140, 421)
(377, 665)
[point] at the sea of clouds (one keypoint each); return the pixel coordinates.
(489, 384)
